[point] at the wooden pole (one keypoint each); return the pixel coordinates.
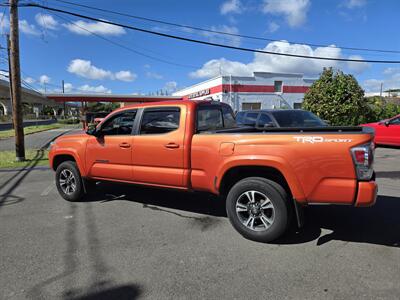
(15, 77)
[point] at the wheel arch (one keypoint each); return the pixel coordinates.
(272, 170)
(61, 157)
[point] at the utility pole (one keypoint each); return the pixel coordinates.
(65, 112)
(15, 77)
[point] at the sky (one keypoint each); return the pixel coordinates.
(93, 57)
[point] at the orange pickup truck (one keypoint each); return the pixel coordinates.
(266, 175)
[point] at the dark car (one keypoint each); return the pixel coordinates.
(278, 118)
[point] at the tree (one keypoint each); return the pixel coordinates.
(382, 109)
(337, 98)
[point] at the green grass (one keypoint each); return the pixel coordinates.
(30, 129)
(33, 158)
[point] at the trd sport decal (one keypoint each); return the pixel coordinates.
(319, 139)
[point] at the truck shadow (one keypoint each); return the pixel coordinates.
(379, 224)
(196, 202)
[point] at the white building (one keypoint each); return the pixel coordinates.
(262, 91)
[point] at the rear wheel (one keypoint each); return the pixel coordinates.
(258, 209)
(69, 181)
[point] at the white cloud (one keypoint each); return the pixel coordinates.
(94, 89)
(46, 21)
(171, 86)
(390, 80)
(153, 75)
(231, 6)
(216, 67)
(125, 76)
(391, 70)
(223, 39)
(357, 67)
(85, 69)
(68, 87)
(276, 63)
(354, 3)
(272, 27)
(27, 28)
(79, 27)
(44, 79)
(295, 11)
(30, 80)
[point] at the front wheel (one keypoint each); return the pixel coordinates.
(69, 181)
(258, 209)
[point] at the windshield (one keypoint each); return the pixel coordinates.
(297, 118)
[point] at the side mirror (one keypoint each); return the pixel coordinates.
(92, 130)
(387, 123)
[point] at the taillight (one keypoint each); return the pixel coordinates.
(363, 157)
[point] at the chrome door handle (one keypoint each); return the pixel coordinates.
(171, 146)
(124, 145)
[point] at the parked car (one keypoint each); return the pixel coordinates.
(278, 118)
(387, 132)
(266, 177)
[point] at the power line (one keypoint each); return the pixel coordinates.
(209, 43)
(221, 32)
(124, 46)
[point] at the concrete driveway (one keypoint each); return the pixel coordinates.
(135, 243)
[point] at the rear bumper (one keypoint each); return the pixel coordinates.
(367, 193)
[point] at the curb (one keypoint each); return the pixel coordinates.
(5, 138)
(18, 169)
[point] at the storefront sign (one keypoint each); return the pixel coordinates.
(199, 94)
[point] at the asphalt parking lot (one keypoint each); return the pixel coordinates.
(134, 243)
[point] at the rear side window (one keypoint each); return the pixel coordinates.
(209, 119)
(214, 117)
(157, 121)
(239, 117)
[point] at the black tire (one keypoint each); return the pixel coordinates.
(279, 213)
(75, 191)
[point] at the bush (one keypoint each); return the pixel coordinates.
(337, 98)
(381, 109)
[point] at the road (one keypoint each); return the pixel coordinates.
(35, 140)
(9, 125)
(136, 243)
